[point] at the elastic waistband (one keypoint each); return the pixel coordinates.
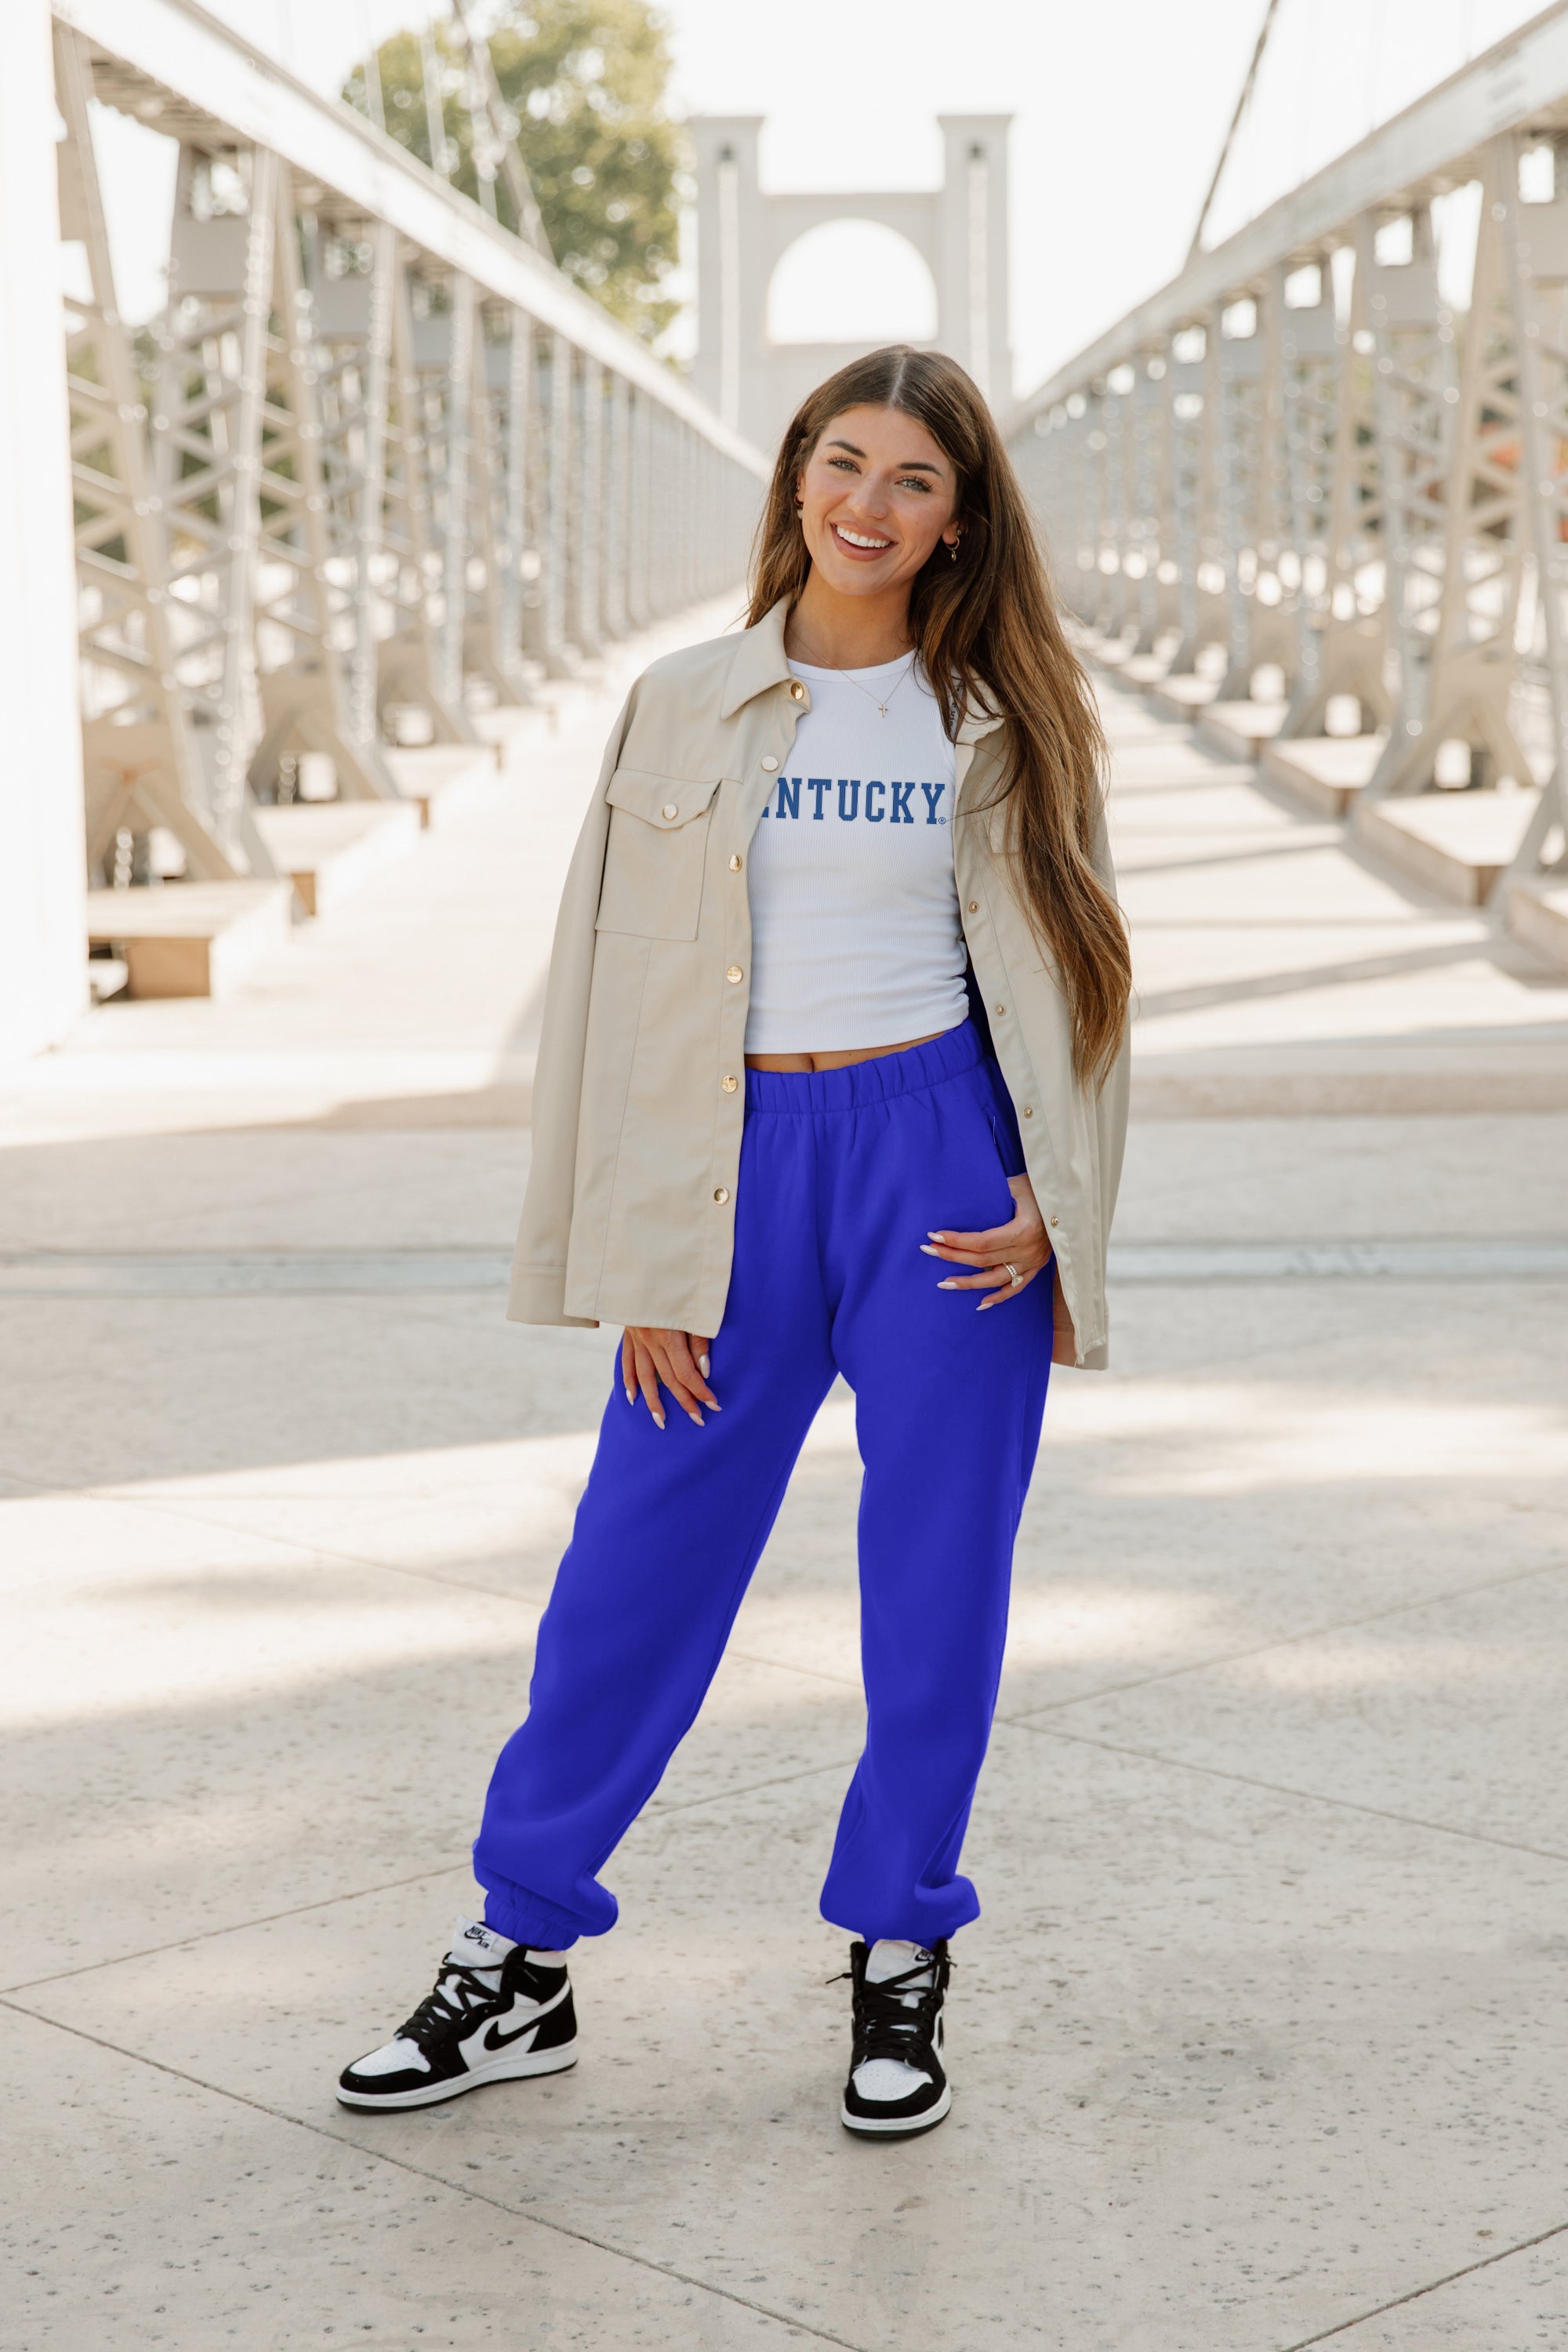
(879, 1080)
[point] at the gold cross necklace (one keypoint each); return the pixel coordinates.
(909, 660)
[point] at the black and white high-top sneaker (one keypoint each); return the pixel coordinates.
(499, 2010)
(897, 2085)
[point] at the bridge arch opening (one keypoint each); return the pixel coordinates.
(851, 282)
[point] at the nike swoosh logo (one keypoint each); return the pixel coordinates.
(494, 2039)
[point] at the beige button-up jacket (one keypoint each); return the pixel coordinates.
(639, 1090)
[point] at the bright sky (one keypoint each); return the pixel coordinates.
(1119, 107)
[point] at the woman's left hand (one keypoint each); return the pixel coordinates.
(1022, 1249)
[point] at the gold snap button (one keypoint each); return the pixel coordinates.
(1028, 1111)
(770, 763)
(670, 808)
(1056, 1221)
(797, 691)
(729, 1084)
(736, 863)
(1001, 1008)
(735, 972)
(974, 906)
(721, 1194)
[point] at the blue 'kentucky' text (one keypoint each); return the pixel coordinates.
(854, 800)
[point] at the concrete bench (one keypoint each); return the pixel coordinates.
(106, 978)
(1237, 731)
(512, 727)
(190, 939)
(329, 847)
(1537, 912)
(1182, 697)
(1457, 842)
(1325, 772)
(440, 778)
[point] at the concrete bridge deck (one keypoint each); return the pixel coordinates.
(1263, 2036)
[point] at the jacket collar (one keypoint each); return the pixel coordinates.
(975, 723)
(760, 661)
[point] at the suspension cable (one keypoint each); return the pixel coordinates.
(374, 93)
(435, 112)
(1242, 104)
(503, 129)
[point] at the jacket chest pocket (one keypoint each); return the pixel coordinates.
(656, 853)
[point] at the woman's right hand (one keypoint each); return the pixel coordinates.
(650, 1354)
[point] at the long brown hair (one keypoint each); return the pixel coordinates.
(989, 636)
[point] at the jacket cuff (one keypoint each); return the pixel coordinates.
(538, 1294)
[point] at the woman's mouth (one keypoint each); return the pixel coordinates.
(860, 546)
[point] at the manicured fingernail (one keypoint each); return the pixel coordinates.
(697, 1417)
(703, 1365)
(936, 1237)
(714, 1405)
(631, 1396)
(947, 1286)
(659, 1420)
(927, 1251)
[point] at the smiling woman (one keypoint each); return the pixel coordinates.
(814, 848)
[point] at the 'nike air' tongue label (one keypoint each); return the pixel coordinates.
(478, 1945)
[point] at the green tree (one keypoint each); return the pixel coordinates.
(585, 81)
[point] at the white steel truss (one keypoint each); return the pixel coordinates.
(308, 625)
(393, 461)
(1356, 486)
(1535, 256)
(207, 453)
(1336, 508)
(350, 274)
(493, 634)
(141, 764)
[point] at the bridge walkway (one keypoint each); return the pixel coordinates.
(1261, 2037)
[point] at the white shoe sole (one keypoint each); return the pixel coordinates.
(500, 2070)
(898, 2127)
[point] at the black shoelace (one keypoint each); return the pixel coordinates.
(887, 2023)
(443, 2013)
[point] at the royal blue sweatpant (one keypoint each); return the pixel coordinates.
(843, 1175)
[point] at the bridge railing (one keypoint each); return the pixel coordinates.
(376, 450)
(1305, 473)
